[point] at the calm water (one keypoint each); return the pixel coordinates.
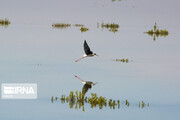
(33, 51)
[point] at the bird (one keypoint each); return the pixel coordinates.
(88, 52)
(87, 85)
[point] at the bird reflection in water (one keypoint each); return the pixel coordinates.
(87, 85)
(77, 99)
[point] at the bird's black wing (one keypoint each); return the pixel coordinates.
(86, 48)
(86, 87)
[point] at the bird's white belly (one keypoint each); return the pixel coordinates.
(90, 55)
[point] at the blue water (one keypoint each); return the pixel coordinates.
(34, 52)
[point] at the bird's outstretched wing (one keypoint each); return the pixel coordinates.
(86, 87)
(86, 48)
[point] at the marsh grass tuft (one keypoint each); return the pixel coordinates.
(111, 27)
(61, 25)
(52, 100)
(155, 33)
(122, 60)
(77, 100)
(127, 103)
(66, 25)
(4, 22)
(142, 104)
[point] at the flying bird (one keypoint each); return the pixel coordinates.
(88, 52)
(87, 85)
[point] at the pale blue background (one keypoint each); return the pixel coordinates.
(152, 75)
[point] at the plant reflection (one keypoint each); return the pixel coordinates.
(87, 85)
(155, 33)
(77, 100)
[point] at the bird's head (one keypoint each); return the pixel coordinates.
(94, 83)
(95, 54)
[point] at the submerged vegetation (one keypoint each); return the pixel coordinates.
(122, 60)
(4, 22)
(77, 100)
(157, 32)
(111, 27)
(61, 25)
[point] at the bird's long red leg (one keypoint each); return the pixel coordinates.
(78, 78)
(79, 59)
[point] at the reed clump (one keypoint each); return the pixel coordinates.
(77, 100)
(127, 103)
(157, 32)
(4, 22)
(122, 60)
(142, 104)
(61, 25)
(111, 27)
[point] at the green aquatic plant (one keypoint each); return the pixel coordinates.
(52, 99)
(84, 29)
(4, 22)
(122, 60)
(78, 25)
(118, 104)
(139, 105)
(112, 103)
(127, 103)
(61, 25)
(113, 30)
(142, 104)
(157, 32)
(63, 98)
(111, 27)
(102, 101)
(77, 100)
(56, 98)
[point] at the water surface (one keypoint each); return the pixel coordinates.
(33, 51)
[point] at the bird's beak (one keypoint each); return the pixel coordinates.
(97, 55)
